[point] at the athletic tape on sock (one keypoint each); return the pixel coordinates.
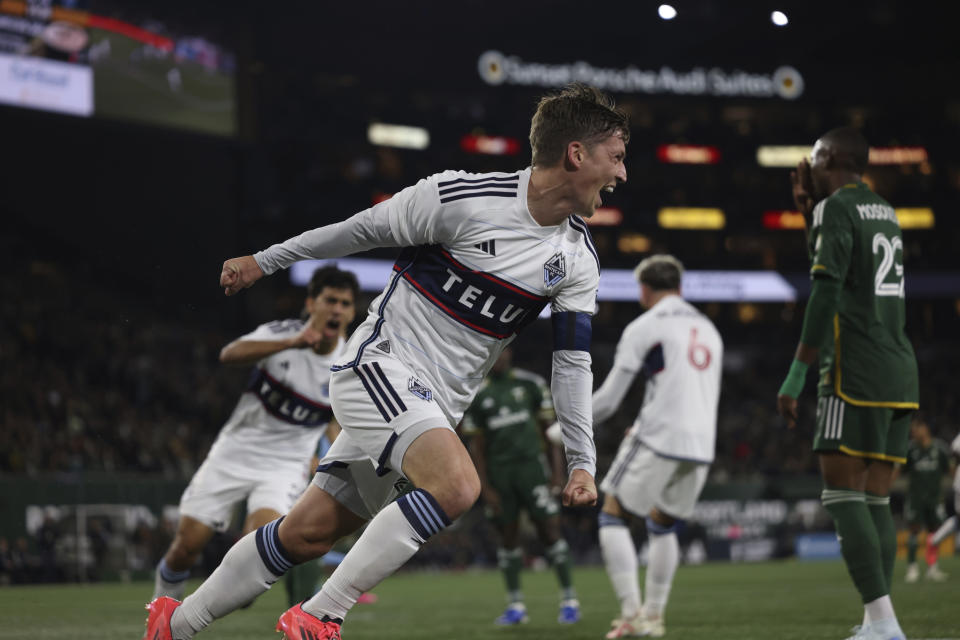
(657, 529)
(272, 553)
(423, 512)
(169, 575)
(605, 519)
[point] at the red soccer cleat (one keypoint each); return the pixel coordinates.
(367, 598)
(297, 624)
(158, 620)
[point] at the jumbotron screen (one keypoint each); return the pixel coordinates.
(114, 60)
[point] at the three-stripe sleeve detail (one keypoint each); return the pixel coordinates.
(496, 186)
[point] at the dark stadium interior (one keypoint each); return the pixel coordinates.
(114, 231)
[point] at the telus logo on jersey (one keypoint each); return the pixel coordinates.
(284, 403)
(476, 299)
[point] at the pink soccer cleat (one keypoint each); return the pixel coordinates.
(297, 624)
(158, 620)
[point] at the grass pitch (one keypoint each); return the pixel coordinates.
(783, 600)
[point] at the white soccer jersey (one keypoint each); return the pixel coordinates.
(476, 270)
(680, 351)
(285, 407)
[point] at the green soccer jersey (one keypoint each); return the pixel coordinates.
(926, 467)
(855, 238)
(506, 411)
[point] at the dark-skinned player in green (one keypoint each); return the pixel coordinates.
(868, 388)
(505, 425)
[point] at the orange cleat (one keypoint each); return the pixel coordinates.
(158, 620)
(297, 624)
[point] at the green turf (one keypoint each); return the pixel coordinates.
(786, 600)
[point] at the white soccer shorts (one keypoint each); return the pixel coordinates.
(382, 407)
(640, 479)
(220, 484)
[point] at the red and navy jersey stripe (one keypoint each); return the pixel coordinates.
(476, 299)
(284, 403)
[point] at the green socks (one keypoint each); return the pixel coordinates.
(859, 541)
(510, 562)
(559, 556)
(879, 507)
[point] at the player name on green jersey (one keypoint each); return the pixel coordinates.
(855, 238)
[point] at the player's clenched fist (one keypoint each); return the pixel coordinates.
(239, 273)
(581, 490)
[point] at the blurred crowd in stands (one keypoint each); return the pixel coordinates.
(95, 380)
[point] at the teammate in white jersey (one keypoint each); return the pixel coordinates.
(263, 452)
(950, 524)
(662, 463)
(486, 252)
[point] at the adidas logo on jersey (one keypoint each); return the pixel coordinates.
(487, 246)
(384, 346)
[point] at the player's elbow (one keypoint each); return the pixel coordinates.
(228, 355)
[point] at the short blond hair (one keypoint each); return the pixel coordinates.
(661, 272)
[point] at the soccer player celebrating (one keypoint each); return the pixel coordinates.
(504, 424)
(927, 462)
(662, 463)
(485, 253)
(262, 454)
(868, 390)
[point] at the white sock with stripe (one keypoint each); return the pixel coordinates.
(254, 563)
(168, 582)
(391, 538)
(620, 558)
(664, 557)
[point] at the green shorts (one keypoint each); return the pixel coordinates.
(880, 433)
(926, 513)
(523, 485)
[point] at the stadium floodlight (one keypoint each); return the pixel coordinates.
(898, 155)
(396, 135)
(667, 12)
(490, 145)
(783, 219)
(691, 218)
(605, 217)
(779, 18)
(915, 217)
(782, 156)
(688, 154)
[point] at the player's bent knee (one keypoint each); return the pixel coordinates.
(305, 540)
(457, 496)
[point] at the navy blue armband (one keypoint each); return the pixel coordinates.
(571, 331)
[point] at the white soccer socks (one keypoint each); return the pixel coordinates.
(620, 559)
(391, 538)
(254, 563)
(664, 556)
(168, 582)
